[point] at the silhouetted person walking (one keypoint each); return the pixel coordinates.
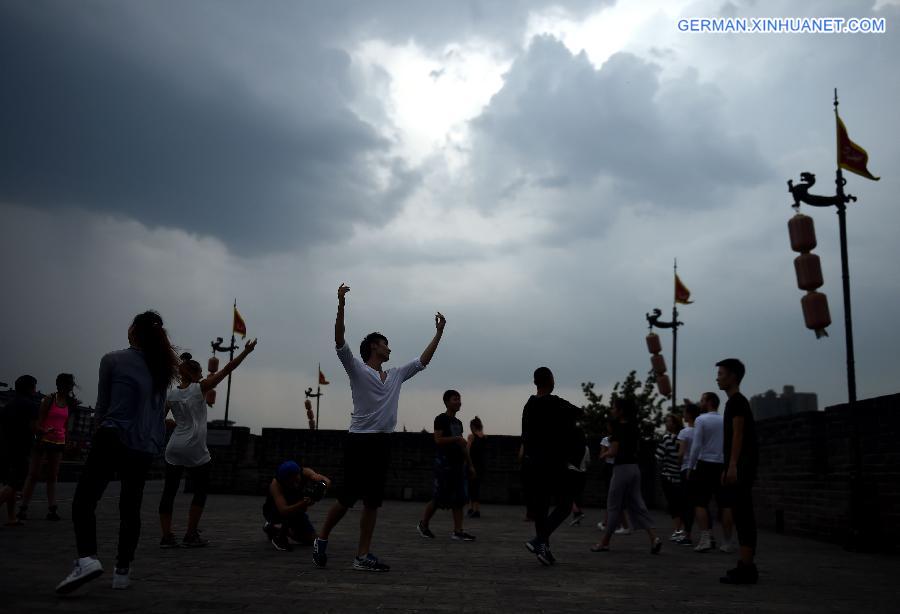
(551, 439)
(18, 421)
(625, 488)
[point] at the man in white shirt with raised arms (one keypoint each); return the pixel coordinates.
(367, 446)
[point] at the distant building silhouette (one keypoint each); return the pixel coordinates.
(771, 405)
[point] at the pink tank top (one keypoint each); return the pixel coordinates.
(54, 424)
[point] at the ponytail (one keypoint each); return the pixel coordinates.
(151, 338)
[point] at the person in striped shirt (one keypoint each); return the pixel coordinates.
(670, 473)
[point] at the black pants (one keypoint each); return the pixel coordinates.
(108, 455)
(674, 497)
(687, 499)
(199, 477)
(543, 485)
(741, 495)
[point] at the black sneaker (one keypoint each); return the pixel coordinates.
(462, 536)
(193, 540)
(742, 574)
(424, 531)
(168, 541)
(52, 515)
(281, 543)
(532, 545)
(549, 555)
(542, 551)
(369, 562)
(656, 547)
(320, 557)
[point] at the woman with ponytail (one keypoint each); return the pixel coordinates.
(130, 412)
(187, 449)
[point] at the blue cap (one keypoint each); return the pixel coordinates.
(287, 470)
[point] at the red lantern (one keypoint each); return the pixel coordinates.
(809, 271)
(664, 385)
(211, 397)
(815, 312)
(802, 232)
(213, 365)
(659, 363)
(653, 343)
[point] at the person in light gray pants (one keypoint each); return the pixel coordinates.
(625, 486)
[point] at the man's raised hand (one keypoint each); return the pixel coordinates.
(342, 292)
(440, 321)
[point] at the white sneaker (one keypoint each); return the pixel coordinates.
(623, 531)
(121, 579)
(601, 526)
(676, 535)
(86, 569)
(705, 543)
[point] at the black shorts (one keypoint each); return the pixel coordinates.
(706, 483)
(366, 460)
(14, 470)
(450, 485)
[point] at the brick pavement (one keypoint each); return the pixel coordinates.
(240, 571)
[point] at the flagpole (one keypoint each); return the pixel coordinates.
(318, 393)
(674, 345)
(857, 490)
(230, 358)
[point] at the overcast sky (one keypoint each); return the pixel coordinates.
(531, 169)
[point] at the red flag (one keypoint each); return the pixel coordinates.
(322, 380)
(682, 294)
(239, 328)
(851, 156)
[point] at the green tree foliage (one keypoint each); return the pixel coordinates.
(649, 405)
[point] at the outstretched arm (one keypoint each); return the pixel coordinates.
(213, 380)
(339, 321)
(439, 322)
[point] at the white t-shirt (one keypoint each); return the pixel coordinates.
(604, 443)
(374, 401)
(708, 437)
(687, 436)
(187, 445)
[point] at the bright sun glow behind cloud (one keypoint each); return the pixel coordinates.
(432, 94)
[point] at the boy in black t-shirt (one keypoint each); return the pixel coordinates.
(450, 463)
(741, 456)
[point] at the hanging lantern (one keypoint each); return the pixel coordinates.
(312, 424)
(815, 312)
(211, 397)
(659, 363)
(809, 271)
(664, 385)
(213, 365)
(653, 343)
(802, 233)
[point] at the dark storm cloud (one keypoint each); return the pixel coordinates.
(560, 123)
(91, 120)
